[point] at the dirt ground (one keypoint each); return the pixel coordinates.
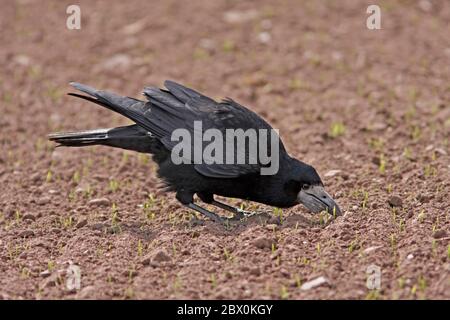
(370, 109)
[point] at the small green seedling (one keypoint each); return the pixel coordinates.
(278, 212)
(140, 248)
(213, 280)
(382, 165)
(76, 177)
(284, 293)
(113, 185)
(49, 176)
(337, 129)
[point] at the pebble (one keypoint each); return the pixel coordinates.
(370, 249)
(45, 273)
(43, 201)
(100, 202)
(314, 283)
(235, 16)
(29, 216)
(118, 61)
(332, 173)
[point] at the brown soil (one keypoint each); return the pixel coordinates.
(306, 67)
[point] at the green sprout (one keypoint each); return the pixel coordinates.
(337, 129)
(284, 293)
(382, 165)
(113, 185)
(140, 248)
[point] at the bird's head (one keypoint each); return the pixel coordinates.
(310, 191)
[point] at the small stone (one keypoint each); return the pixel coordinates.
(29, 216)
(119, 61)
(439, 234)
(332, 173)
(100, 202)
(314, 283)
(264, 37)
(43, 201)
(262, 243)
(135, 27)
(410, 256)
(235, 16)
(22, 60)
(45, 274)
(26, 233)
(370, 249)
(271, 227)
(395, 201)
(81, 224)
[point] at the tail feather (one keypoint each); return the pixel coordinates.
(131, 108)
(129, 137)
(79, 138)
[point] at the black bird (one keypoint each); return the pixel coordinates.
(178, 107)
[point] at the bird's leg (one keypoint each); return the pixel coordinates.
(238, 213)
(205, 212)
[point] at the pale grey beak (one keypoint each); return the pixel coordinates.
(316, 199)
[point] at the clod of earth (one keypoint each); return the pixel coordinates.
(81, 223)
(439, 234)
(263, 243)
(26, 233)
(395, 201)
(157, 258)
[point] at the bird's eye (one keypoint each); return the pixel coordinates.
(306, 186)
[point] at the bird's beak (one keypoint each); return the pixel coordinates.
(316, 199)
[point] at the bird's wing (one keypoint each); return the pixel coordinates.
(178, 107)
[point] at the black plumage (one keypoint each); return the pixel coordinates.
(178, 107)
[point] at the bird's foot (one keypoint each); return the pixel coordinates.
(242, 214)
